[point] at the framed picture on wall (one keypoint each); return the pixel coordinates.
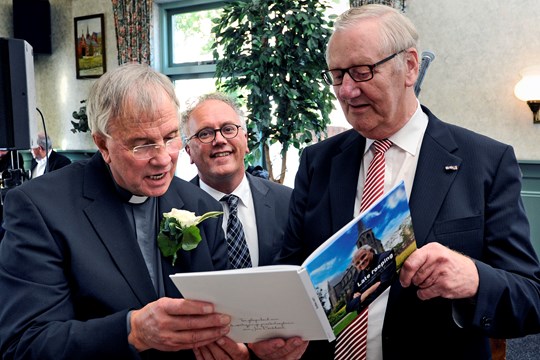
(90, 46)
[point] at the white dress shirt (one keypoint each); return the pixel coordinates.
(400, 160)
(40, 167)
(246, 214)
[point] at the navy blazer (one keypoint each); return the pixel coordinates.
(71, 267)
(476, 210)
(271, 202)
(56, 161)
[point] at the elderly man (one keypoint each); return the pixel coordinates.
(85, 279)
(475, 274)
(45, 159)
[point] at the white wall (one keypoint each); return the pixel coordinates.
(480, 48)
(58, 91)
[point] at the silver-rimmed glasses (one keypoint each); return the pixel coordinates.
(145, 152)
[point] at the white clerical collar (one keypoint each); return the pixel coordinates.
(135, 199)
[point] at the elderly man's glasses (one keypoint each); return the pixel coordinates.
(144, 152)
(207, 135)
(358, 73)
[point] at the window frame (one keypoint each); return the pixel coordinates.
(190, 70)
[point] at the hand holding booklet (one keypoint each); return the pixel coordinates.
(318, 299)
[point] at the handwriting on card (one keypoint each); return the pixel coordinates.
(260, 324)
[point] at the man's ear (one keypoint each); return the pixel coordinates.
(101, 143)
(412, 66)
(247, 146)
(188, 151)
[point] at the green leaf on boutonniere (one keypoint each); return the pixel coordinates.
(178, 230)
(192, 238)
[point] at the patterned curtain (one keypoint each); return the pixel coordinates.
(132, 22)
(398, 4)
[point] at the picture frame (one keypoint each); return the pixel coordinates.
(90, 51)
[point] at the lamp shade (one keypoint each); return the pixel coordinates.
(528, 88)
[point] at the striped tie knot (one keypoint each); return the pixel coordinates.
(382, 145)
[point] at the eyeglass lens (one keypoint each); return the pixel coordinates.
(208, 135)
(142, 152)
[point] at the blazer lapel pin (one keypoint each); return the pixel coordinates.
(451, 168)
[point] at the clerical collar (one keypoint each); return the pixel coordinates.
(126, 195)
(135, 199)
(129, 197)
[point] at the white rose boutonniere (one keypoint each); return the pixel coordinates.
(178, 229)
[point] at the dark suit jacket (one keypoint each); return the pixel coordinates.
(271, 202)
(56, 161)
(476, 210)
(71, 267)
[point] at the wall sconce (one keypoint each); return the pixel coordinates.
(528, 89)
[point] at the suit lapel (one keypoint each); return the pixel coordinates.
(436, 170)
(109, 218)
(166, 202)
(264, 209)
(345, 169)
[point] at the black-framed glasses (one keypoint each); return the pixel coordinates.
(145, 152)
(358, 73)
(207, 135)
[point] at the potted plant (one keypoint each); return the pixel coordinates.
(272, 53)
(81, 125)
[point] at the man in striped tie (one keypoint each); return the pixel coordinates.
(475, 274)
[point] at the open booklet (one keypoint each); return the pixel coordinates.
(318, 299)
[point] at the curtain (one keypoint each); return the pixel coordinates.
(132, 22)
(398, 4)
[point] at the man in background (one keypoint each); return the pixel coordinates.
(216, 141)
(215, 138)
(45, 159)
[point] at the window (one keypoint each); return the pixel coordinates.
(187, 59)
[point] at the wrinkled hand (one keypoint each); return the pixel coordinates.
(175, 324)
(282, 349)
(222, 349)
(440, 272)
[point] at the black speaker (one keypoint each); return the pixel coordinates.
(32, 22)
(18, 125)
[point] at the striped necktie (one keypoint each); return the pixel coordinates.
(352, 342)
(236, 241)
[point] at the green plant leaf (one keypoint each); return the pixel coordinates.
(191, 238)
(273, 51)
(167, 246)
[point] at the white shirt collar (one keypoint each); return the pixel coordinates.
(408, 137)
(242, 190)
(44, 159)
(136, 199)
